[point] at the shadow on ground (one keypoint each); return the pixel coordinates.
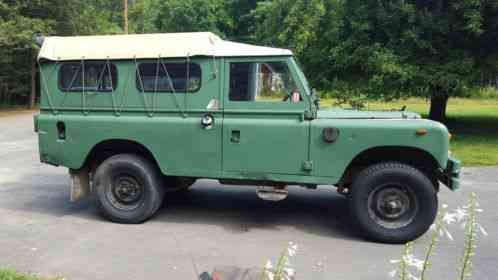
(237, 209)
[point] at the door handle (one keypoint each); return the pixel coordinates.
(207, 121)
(235, 138)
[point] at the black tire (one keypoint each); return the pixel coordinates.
(178, 184)
(128, 189)
(393, 202)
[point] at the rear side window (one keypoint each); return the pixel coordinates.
(90, 76)
(166, 77)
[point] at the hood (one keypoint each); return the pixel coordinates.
(354, 114)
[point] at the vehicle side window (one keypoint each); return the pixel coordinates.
(168, 76)
(262, 81)
(96, 76)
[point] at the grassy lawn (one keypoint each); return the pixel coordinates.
(10, 274)
(472, 122)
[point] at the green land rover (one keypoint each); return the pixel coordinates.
(134, 117)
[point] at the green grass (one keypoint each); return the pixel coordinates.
(472, 122)
(482, 93)
(10, 274)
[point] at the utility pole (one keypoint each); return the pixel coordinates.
(125, 16)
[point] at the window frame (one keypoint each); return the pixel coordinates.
(138, 84)
(59, 76)
(263, 106)
(263, 60)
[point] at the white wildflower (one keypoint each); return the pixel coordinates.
(269, 275)
(449, 218)
(448, 234)
(292, 249)
(460, 213)
(433, 227)
(482, 230)
(412, 277)
(289, 271)
(395, 261)
(445, 206)
(393, 273)
(268, 265)
(412, 261)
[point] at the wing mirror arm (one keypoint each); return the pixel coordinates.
(315, 98)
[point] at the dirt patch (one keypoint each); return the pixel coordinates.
(17, 111)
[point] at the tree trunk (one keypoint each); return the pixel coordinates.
(32, 96)
(2, 86)
(438, 107)
(7, 94)
(125, 16)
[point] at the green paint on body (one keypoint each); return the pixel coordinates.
(261, 141)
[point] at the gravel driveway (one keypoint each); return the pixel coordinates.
(42, 232)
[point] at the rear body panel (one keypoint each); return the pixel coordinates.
(158, 121)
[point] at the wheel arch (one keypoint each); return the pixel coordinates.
(110, 147)
(416, 157)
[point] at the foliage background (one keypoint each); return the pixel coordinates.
(353, 50)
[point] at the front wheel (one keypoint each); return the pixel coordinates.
(128, 188)
(393, 202)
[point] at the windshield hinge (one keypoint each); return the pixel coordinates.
(308, 115)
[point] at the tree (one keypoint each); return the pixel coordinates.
(95, 17)
(144, 15)
(239, 16)
(293, 24)
(387, 49)
(17, 50)
(193, 16)
(428, 48)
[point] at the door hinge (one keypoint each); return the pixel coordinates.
(308, 165)
(308, 115)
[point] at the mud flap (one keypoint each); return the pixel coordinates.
(80, 184)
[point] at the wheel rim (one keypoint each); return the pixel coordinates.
(125, 192)
(392, 206)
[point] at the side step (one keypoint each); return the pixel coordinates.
(270, 193)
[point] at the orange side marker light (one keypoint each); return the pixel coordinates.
(421, 132)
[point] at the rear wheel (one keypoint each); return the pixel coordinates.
(393, 202)
(128, 188)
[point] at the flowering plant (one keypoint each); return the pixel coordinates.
(412, 268)
(282, 270)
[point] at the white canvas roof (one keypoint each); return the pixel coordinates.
(149, 46)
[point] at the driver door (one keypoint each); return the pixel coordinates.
(262, 133)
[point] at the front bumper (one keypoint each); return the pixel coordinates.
(451, 175)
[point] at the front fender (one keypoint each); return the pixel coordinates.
(359, 135)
